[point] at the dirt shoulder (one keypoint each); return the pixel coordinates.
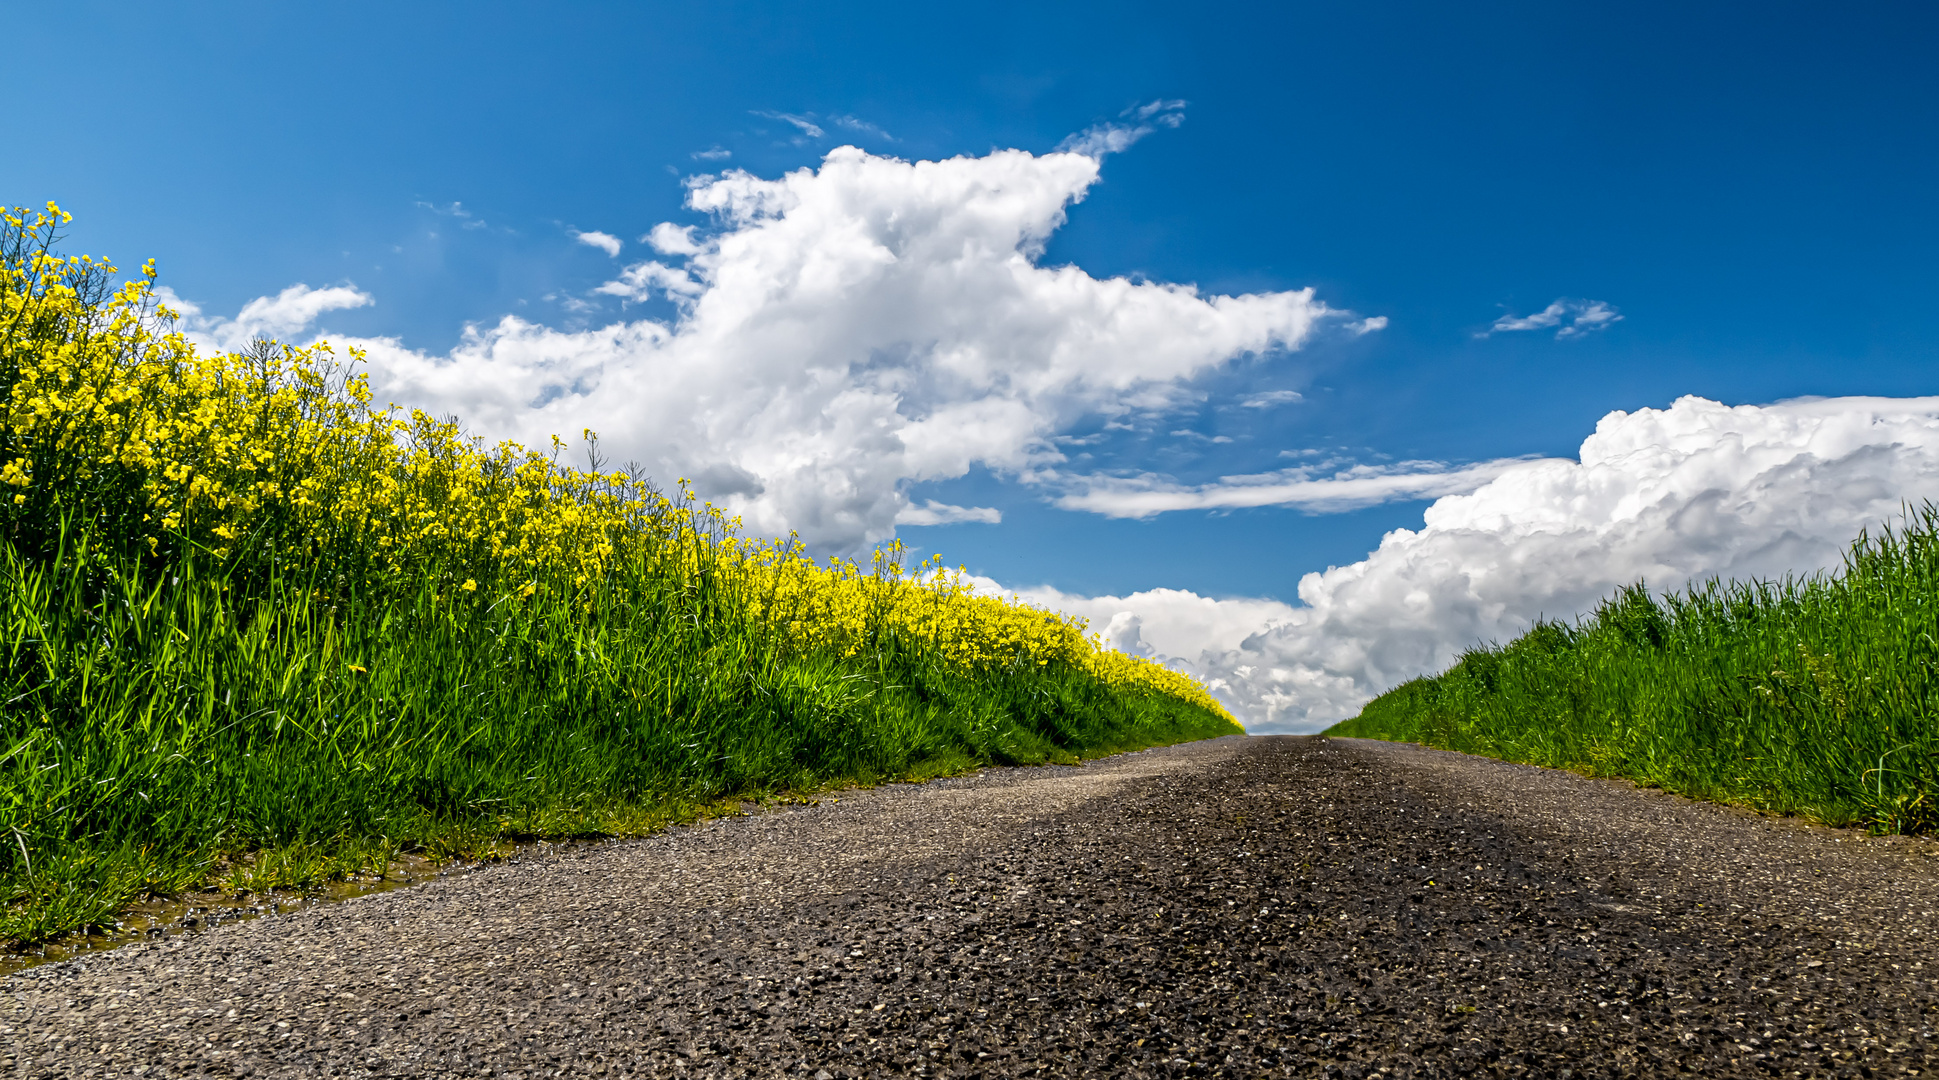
(1243, 907)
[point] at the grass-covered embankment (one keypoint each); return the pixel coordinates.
(260, 632)
(1815, 696)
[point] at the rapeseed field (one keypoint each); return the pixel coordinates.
(261, 630)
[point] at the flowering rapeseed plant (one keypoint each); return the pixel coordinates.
(280, 452)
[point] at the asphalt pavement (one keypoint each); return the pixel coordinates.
(1245, 907)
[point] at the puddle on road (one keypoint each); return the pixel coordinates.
(200, 912)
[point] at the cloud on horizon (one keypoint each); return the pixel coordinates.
(1669, 496)
(1175, 627)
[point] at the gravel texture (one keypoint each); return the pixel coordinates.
(1243, 907)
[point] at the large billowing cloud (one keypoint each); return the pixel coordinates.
(846, 331)
(1669, 496)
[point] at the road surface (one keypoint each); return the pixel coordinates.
(1243, 907)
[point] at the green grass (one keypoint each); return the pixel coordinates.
(1816, 696)
(163, 733)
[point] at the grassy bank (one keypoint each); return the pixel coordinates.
(260, 631)
(1813, 696)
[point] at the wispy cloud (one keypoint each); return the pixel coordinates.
(809, 129)
(1115, 136)
(857, 124)
(577, 305)
(1271, 398)
(1368, 325)
(935, 513)
(466, 219)
(712, 153)
(1165, 113)
(1148, 494)
(1200, 436)
(1570, 318)
(605, 242)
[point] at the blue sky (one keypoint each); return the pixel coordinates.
(1748, 187)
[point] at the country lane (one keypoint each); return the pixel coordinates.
(1267, 906)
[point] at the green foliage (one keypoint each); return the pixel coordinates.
(153, 731)
(1813, 696)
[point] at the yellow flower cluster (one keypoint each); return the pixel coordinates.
(844, 607)
(274, 442)
(282, 446)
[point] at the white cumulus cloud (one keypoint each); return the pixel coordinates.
(281, 316)
(847, 331)
(642, 281)
(670, 239)
(1174, 626)
(1669, 496)
(605, 242)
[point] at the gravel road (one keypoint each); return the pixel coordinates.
(1243, 907)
